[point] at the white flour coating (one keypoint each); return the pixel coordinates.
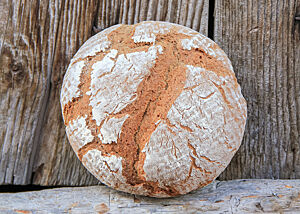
(78, 133)
(198, 41)
(108, 169)
(167, 146)
(187, 31)
(111, 129)
(130, 70)
(147, 31)
(197, 120)
(95, 44)
(71, 82)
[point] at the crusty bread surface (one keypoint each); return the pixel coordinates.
(153, 108)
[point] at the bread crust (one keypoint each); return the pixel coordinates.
(153, 108)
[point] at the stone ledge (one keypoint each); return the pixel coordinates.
(236, 196)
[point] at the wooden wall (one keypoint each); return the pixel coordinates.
(38, 39)
(262, 39)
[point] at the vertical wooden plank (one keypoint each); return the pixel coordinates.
(39, 39)
(23, 90)
(263, 42)
(55, 162)
(191, 13)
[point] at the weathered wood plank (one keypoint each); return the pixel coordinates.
(263, 42)
(55, 163)
(239, 196)
(191, 13)
(37, 40)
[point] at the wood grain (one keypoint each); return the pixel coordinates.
(38, 39)
(263, 42)
(191, 13)
(238, 196)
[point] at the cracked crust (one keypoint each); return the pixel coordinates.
(153, 109)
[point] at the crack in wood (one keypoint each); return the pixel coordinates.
(211, 19)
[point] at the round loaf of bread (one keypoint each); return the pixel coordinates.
(153, 108)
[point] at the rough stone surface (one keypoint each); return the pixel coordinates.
(237, 196)
(153, 108)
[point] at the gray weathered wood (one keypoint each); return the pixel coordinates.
(37, 41)
(263, 42)
(191, 13)
(238, 196)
